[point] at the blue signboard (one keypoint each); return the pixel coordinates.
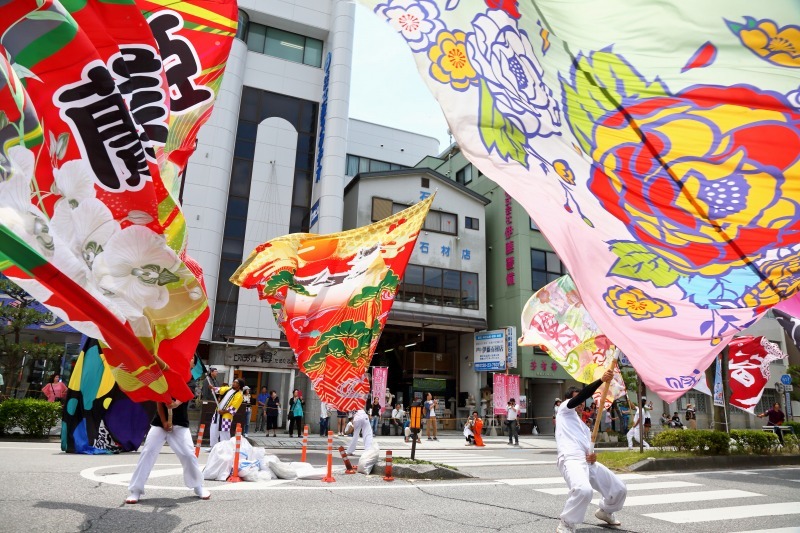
(323, 113)
(314, 215)
(786, 379)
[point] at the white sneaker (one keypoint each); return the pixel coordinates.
(608, 518)
(563, 527)
(202, 493)
(133, 497)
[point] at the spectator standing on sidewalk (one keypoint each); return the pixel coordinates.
(512, 412)
(430, 415)
(273, 412)
(207, 391)
(296, 412)
(248, 409)
(261, 405)
(375, 415)
(577, 462)
(323, 419)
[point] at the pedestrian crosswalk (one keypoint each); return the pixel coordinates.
(687, 500)
(473, 457)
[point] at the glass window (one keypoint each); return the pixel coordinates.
(378, 166)
(469, 290)
(237, 207)
(464, 175)
(226, 270)
(545, 267)
(301, 193)
(449, 223)
(247, 130)
(433, 286)
(533, 225)
(304, 161)
(286, 108)
(396, 208)
(285, 45)
(433, 221)
(471, 223)
(244, 149)
(250, 100)
(256, 36)
(352, 165)
(411, 288)
(243, 23)
(232, 248)
(298, 220)
(313, 52)
(308, 118)
(235, 227)
(553, 263)
(240, 177)
(451, 288)
(381, 208)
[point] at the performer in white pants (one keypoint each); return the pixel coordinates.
(179, 438)
(360, 423)
(578, 464)
(636, 431)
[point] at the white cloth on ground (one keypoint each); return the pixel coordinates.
(180, 440)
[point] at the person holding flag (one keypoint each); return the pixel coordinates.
(222, 420)
(170, 425)
(578, 463)
(636, 430)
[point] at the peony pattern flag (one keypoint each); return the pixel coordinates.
(748, 370)
(331, 295)
(555, 319)
(670, 187)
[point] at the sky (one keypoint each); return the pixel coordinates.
(386, 87)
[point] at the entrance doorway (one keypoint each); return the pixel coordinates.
(279, 380)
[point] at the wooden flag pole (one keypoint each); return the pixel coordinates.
(603, 395)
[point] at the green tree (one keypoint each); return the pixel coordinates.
(17, 313)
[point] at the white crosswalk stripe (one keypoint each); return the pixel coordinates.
(472, 458)
(632, 487)
(683, 497)
(728, 513)
(776, 530)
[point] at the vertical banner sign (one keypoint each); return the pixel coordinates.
(748, 369)
(323, 113)
(511, 347)
(490, 350)
(379, 377)
(523, 404)
(499, 397)
(512, 388)
(719, 398)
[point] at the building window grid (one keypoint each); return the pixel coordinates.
(545, 268)
(471, 223)
(283, 44)
(357, 164)
(436, 221)
(464, 176)
(439, 286)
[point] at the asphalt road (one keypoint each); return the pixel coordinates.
(44, 490)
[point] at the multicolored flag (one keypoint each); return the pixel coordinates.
(555, 319)
(748, 370)
(331, 295)
(652, 178)
(87, 223)
(98, 417)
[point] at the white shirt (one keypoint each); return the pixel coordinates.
(636, 416)
(398, 414)
(573, 438)
(323, 409)
(512, 412)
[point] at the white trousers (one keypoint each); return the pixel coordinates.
(635, 433)
(362, 425)
(216, 435)
(180, 440)
(581, 479)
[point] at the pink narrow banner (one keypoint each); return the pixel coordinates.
(500, 395)
(512, 388)
(379, 376)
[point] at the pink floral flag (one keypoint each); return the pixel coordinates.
(662, 162)
(499, 394)
(379, 376)
(748, 369)
(556, 320)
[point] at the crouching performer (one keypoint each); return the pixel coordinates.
(578, 463)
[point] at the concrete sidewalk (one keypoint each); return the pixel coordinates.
(448, 440)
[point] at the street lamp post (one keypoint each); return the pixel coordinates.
(415, 425)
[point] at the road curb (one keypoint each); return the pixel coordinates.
(715, 462)
(423, 471)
